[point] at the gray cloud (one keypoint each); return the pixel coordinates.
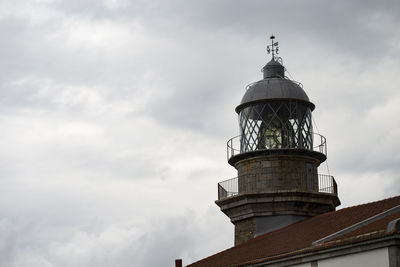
(115, 116)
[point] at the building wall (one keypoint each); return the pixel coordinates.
(372, 258)
(303, 265)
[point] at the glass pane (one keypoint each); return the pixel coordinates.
(275, 125)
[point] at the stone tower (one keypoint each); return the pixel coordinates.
(276, 155)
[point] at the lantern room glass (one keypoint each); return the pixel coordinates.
(275, 125)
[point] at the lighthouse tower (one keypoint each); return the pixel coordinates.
(276, 155)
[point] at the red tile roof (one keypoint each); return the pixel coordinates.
(298, 237)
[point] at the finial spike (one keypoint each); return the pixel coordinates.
(273, 47)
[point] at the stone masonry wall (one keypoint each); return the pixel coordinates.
(245, 230)
(271, 173)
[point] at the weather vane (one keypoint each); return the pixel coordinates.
(273, 47)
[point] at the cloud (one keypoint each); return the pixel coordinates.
(105, 244)
(115, 116)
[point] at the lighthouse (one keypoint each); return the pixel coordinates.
(276, 155)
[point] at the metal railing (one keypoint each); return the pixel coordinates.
(247, 87)
(234, 146)
(273, 182)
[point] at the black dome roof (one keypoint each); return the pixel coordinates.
(273, 87)
(274, 69)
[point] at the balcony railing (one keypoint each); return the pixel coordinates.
(273, 182)
(234, 146)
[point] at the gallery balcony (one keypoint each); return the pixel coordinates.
(277, 182)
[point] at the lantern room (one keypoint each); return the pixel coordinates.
(275, 113)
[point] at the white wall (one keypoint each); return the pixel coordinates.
(302, 265)
(373, 258)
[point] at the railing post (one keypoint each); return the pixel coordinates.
(232, 149)
(334, 186)
(321, 146)
(326, 149)
(222, 193)
(227, 150)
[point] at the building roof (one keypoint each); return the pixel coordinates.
(346, 226)
(274, 86)
(273, 89)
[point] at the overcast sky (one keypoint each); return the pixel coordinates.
(114, 117)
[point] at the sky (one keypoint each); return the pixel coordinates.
(114, 117)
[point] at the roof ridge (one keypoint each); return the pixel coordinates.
(359, 224)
